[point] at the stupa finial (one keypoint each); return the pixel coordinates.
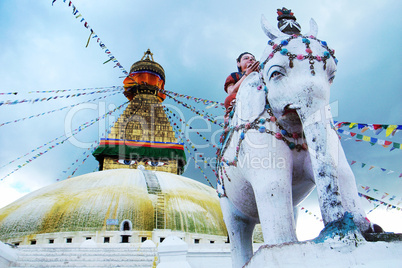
(147, 54)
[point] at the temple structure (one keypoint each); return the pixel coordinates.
(137, 195)
(142, 136)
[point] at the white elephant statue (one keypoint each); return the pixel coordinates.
(280, 143)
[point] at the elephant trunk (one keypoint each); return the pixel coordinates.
(323, 143)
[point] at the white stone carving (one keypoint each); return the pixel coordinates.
(270, 179)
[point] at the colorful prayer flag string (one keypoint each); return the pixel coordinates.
(179, 135)
(204, 114)
(377, 128)
(167, 111)
(77, 15)
(8, 93)
(73, 89)
(370, 167)
(14, 102)
(60, 109)
(75, 131)
(371, 140)
(311, 213)
(188, 140)
(197, 100)
(389, 206)
(384, 195)
(88, 153)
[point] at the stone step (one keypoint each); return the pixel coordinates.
(84, 264)
(125, 259)
(77, 249)
(74, 254)
(31, 256)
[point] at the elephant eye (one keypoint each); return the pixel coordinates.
(331, 79)
(126, 162)
(276, 75)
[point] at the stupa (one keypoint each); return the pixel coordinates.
(137, 195)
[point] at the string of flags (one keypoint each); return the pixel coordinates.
(384, 195)
(204, 114)
(86, 156)
(188, 140)
(88, 152)
(179, 134)
(370, 167)
(371, 140)
(377, 128)
(93, 35)
(60, 109)
(187, 125)
(34, 100)
(8, 93)
(197, 100)
(73, 89)
(311, 213)
(370, 199)
(73, 133)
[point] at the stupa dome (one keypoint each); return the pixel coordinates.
(87, 202)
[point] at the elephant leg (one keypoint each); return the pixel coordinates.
(295, 216)
(273, 195)
(240, 229)
(348, 190)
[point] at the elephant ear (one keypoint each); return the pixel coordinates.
(313, 28)
(250, 99)
(270, 31)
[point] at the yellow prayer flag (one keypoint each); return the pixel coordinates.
(352, 125)
(389, 130)
(366, 138)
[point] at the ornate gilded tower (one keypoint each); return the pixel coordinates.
(142, 137)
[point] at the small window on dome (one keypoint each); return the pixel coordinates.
(212, 242)
(88, 238)
(106, 240)
(143, 239)
(126, 225)
(161, 239)
(69, 240)
(33, 242)
(51, 241)
(16, 243)
(196, 241)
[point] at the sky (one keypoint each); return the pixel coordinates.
(196, 42)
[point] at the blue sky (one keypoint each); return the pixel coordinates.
(196, 42)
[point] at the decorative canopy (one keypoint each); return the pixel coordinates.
(146, 77)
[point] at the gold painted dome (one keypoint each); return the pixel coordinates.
(86, 202)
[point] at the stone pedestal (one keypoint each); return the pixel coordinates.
(173, 253)
(328, 254)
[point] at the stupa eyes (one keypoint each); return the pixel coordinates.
(149, 163)
(156, 164)
(126, 162)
